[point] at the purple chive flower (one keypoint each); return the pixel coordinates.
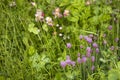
(116, 39)
(89, 40)
(104, 35)
(79, 60)
(104, 42)
(67, 57)
(95, 38)
(95, 45)
(91, 36)
(78, 55)
(84, 59)
(97, 50)
(85, 37)
(110, 27)
(81, 37)
(93, 68)
(112, 48)
(69, 45)
(68, 60)
(88, 54)
(88, 50)
(93, 58)
(73, 63)
(63, 64)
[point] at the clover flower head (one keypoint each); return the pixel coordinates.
(49, 21)
(66, 13)
(57, 13)
(39, 16)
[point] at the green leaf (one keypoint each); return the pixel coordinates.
(118, 64)
(75, 12)
(73, 19)
(45, 27)
(20, 2)
(30, 27)
(69, 75)
(114, 74)
(58, 76)
(2, 78)
(64, 3)
(35, 30)
(31, 50)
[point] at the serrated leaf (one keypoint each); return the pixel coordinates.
(45, 27)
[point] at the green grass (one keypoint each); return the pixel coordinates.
(28, 56)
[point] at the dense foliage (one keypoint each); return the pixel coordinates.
(59, 40)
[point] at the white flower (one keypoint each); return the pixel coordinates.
(60, 34)
(33, 4)
(12, 4)
(60, 28)
(57, 25)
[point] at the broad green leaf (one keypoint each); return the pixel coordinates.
(30, 27)
(35, 30)
(45, 27)
(103, 60)
(73, 19)
(31, 50)
(114, 74)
